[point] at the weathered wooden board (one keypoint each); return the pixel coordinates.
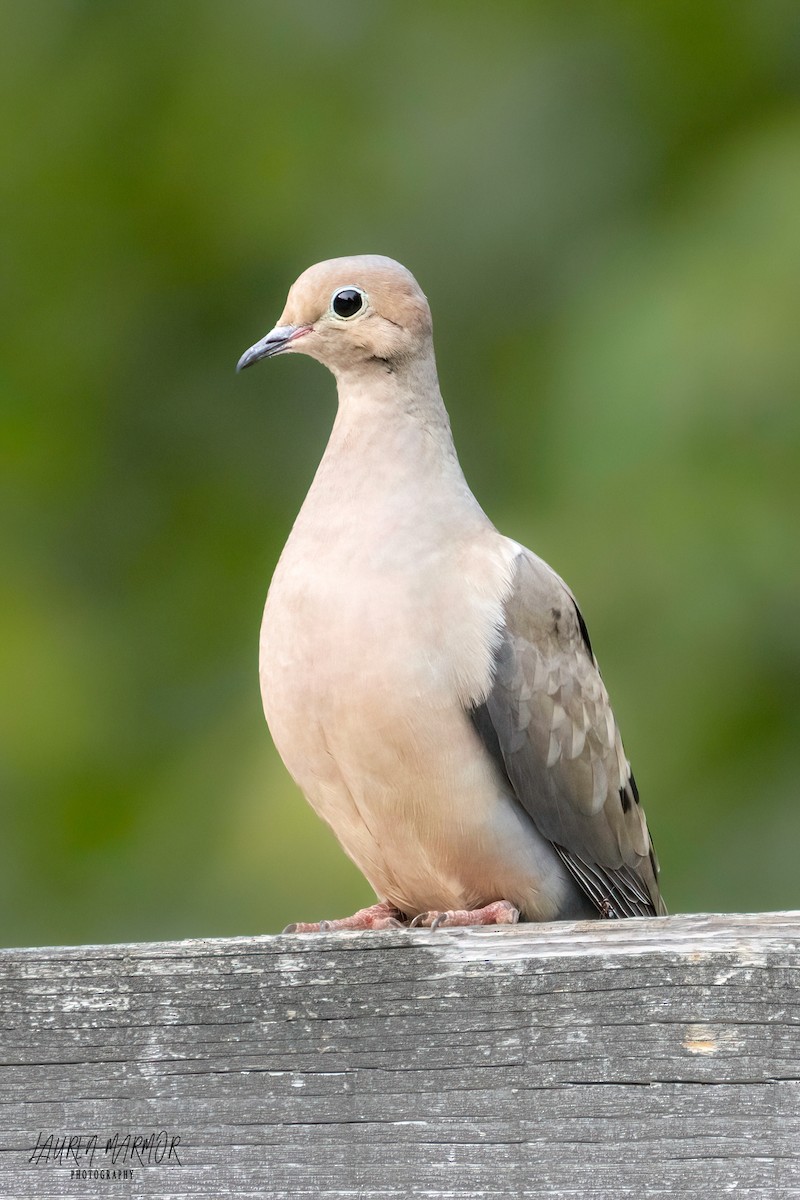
(610, 1059)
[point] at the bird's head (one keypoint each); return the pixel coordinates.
(363, 312)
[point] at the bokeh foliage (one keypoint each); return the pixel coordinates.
(602, 201)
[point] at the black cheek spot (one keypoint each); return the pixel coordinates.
(556, 613)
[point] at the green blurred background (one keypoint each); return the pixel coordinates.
(602, 202)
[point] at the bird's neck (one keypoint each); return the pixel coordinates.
(394, 394)
(390, 461)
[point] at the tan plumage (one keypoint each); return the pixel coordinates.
(427, 681)
(561, 746)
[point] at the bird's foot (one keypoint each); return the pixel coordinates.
(502, 912)
(377, 916)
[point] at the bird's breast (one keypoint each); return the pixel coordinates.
(351, 636)
(381, 628)
(367, 665)
(365, 645)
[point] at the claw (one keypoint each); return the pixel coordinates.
(501, 912)
(377, 916)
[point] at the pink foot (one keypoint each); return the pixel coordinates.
(502, 912)
(377, 916)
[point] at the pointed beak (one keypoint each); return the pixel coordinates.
(275, 341)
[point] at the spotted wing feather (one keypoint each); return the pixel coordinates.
(548, 721)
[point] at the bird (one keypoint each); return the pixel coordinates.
(429, 683)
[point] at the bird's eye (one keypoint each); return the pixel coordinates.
(348, 302)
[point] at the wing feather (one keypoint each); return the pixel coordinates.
(548, 721)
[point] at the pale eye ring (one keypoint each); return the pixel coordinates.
(348, 302)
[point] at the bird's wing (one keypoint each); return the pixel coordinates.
(548, 722)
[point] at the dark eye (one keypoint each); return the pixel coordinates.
(347, 302)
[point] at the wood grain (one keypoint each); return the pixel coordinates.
(633, 1058)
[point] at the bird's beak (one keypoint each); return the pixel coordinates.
(275, 341)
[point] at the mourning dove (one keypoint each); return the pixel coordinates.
(429, 683)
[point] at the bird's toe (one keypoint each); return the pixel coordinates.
(500, 912)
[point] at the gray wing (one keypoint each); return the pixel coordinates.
(548, 722)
